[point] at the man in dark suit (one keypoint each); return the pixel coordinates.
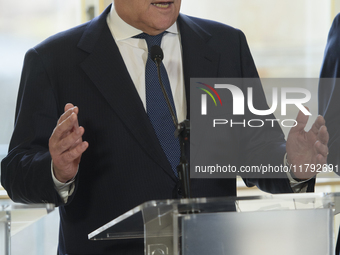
(329, 92)
(122, 163)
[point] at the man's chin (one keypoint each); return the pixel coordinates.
(165, 23)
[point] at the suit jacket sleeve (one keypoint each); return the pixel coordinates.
(26, 171)
(329, 91)
(264, 145)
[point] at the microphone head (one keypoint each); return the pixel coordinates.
(156, 52)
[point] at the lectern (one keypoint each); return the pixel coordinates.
(14, 217)
(265, 225)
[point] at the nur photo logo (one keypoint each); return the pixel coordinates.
(231, 115)
(239, 99)
(204, 97)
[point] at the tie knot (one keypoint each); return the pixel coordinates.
(151, 40)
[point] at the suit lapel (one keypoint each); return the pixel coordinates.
(106, 69)
(199, 59)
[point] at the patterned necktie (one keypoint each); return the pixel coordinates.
(156, 106)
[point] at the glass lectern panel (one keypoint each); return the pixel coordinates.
(284, 224)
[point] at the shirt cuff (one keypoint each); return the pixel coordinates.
(64, 189)
(297, 186)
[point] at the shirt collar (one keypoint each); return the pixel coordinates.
(122, 30)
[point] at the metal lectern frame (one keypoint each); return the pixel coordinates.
(7, 209)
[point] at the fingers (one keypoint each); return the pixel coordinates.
(319, 130)
(68, 112)
(65, 166)
(63, 129)
(323, 135)
(66, 144)
(301, 120)
(308, 147)
(319, 122)
(321, 149)
(67, 131)
(320, 145)
(68, 106)
(67, 121)
(73, 154)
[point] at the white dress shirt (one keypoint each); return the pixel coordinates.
(135, 54)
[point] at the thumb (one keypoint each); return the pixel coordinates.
(68, 106)
(301, 121)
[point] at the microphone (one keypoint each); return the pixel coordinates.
(182, 129)
(156, 54)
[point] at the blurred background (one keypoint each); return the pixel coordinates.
(287, 40)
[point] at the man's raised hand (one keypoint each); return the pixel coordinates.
(307, 151)
(66, 144)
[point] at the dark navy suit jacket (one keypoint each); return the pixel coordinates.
(329, 95)
(124, 165)
(329, 91)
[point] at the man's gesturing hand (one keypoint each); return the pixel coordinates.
(66, 144)
(307, 151)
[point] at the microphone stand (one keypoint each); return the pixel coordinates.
(182, 132)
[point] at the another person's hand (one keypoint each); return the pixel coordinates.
(307, 151)
(66, 144)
